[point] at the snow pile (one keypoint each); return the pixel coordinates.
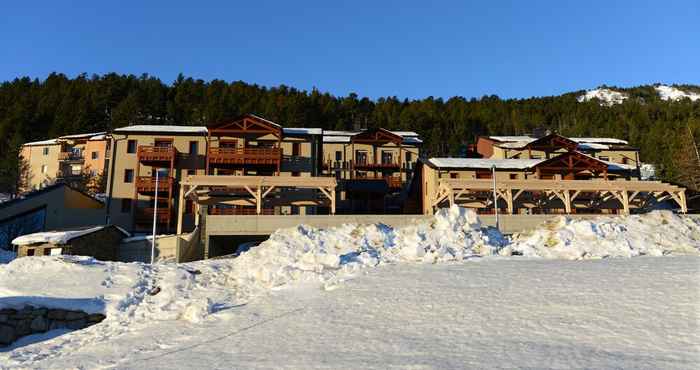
(671, 93)
(309, 254)
(657, 233)
(6, 256)
(607, 97)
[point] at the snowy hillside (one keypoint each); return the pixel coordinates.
(318, 278)
(607, 97)
(672, 93)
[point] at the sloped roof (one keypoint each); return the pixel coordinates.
(61, 237)
(164, 129)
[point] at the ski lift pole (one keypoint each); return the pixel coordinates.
(495, 196)
(155, 215)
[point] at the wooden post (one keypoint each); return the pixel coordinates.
(180, 208)
(258, 199)
(625, 202)
(206, 170)
(332, 191)
(567, 201)
(509, 201)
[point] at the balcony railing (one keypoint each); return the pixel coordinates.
(156, 153)
(70, 156)
(240, 211)
(147, 184)
(367, 165)
(145, 215)
(254, 156)
(394, 182)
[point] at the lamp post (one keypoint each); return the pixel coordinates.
(155, 215)
(495, 196)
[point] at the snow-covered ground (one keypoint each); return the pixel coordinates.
(441, 293)
(672, 93)
(607, 97)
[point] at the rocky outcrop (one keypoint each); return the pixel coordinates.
(15, 324)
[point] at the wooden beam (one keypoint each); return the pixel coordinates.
(180, 208)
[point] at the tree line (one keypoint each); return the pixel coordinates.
(666, 132)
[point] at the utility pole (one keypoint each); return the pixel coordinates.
(495, 196)
(155, 215)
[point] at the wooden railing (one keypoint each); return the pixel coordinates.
(156, 153)
(70, 156)
(145, 215)
(265, 156)
(147, 184)
(240, 211)
(375, 166)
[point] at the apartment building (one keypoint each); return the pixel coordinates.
(373, 166)
(246, 146)
(608, 150)
(69, 159)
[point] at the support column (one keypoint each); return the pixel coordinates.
(625, 202)
(180, 208)
(509, 201)
(258, 199)
(567, 201)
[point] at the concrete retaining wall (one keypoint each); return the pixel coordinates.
(140, 250)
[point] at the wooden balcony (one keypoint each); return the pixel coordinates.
(145, 215)
(381, 166)
(394, 182)
(147, 185)
(156, 154)
(245, 156)
(70, 156)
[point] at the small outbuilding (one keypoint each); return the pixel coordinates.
(101, 242)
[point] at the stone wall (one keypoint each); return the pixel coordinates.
(29, 320)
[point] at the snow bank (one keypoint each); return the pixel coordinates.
(305, 253)
(656, 233)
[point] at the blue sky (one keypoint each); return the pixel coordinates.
(375, 48)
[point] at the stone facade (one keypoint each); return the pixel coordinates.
(15, 324)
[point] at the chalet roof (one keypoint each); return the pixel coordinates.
(302, 131)
(335, 136)
(173, 129)
(83, 136)
(481, 163)
(43, 142)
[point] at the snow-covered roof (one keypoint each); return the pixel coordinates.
(263, 119)
(593, 146)
(98, 137)
(336, 139)
(513, 138)
(58, 237)
(302, 131)
(164, 128)
(600, 140)
(514, 144)
(83, 136)
(519, 164)
(333, 136)
(43, 142)
(142, 238)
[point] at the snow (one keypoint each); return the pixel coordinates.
(163, 128)
(671, 93)
(43, 142)
(336, 139)
(56, 237)
(439, 293)
(647, 171)
(142, 238)
(84, 136)
(513, 138)
(519, 164)
(599, 140)
(592, 146)
(657, 233)
(607, 97)
(302, 131)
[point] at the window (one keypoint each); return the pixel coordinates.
(454, 175)
(296, 174)
(338, 155)
(483, 174)
(76, 169)
(30, 252)
(126, 205)
(191, 172)
(44, 168)
(46, 151)
(409, 156)
(602, 158)
(535, 156)
(189, 207)
(296, 149)
(387, 157)
(95, 155)
(131, 146)
(128, 175)
(513, 176)
(227, 144)
(360, 157)
(163, 143)
(194, 148)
